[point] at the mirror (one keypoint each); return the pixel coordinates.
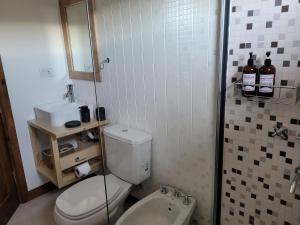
(77, 17)
(79, 37)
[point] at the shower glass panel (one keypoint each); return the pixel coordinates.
(162, 79)
(82, 46)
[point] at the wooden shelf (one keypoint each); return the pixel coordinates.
(70, 177)
(62, 173)
(48, 173)
(60, 132)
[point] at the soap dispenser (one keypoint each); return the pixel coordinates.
(267, 78)
(85, 114)
(249, 78)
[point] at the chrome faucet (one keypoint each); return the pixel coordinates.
(177, 193)
(70, 93)
(187, 199)
(164, 189)
(295, 180)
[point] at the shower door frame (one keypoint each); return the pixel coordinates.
(223, 45)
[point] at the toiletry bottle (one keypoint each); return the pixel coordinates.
(249, 78)
(267, 77)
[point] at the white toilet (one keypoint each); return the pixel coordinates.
(128, 153)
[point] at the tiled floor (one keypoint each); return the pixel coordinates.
(36, 212)
(40, 210)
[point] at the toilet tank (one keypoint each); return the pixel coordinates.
(128, 153)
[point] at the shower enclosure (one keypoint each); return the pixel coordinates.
(160, 74)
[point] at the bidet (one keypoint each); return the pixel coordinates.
(160, 208)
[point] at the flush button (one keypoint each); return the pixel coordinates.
(125, 130)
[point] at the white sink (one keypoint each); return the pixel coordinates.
(57, 113)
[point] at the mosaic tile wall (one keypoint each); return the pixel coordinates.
(258, 168)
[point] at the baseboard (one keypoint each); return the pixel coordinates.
(45, 188)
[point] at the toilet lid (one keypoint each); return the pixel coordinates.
(86, 196)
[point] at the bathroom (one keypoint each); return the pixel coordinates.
(165, 127)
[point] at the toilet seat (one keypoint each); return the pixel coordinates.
(88, 197)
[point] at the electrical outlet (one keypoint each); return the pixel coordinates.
(46, 72)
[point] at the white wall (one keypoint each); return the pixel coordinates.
(30, 40)
(162, 79)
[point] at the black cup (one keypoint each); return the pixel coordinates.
(85, 114)
(100, 114)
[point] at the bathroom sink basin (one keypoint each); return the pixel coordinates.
(57, 113)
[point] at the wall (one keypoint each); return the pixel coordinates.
(31, 40)
(162, 79)
(258, 169)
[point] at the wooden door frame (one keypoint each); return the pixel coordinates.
(13, 147)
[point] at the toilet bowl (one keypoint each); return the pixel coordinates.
(128, 154)
(84, 202)
(159, 209)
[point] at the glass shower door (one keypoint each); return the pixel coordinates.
(162, 79)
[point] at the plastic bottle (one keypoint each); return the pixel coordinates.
(249, 78)
(267, 78)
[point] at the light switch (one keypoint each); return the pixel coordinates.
(46, 72)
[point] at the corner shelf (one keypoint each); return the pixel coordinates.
(288, 95)
(62, 173)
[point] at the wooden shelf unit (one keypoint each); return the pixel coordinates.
(62, 173)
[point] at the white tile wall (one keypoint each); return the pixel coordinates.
(162, 79)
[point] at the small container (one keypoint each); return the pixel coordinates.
(100, 114)
(85, 114)
(267, 78)
(250, 78)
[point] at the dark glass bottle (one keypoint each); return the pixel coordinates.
(267, 77)
(249, 78)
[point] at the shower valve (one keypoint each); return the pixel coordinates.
(281, 131)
